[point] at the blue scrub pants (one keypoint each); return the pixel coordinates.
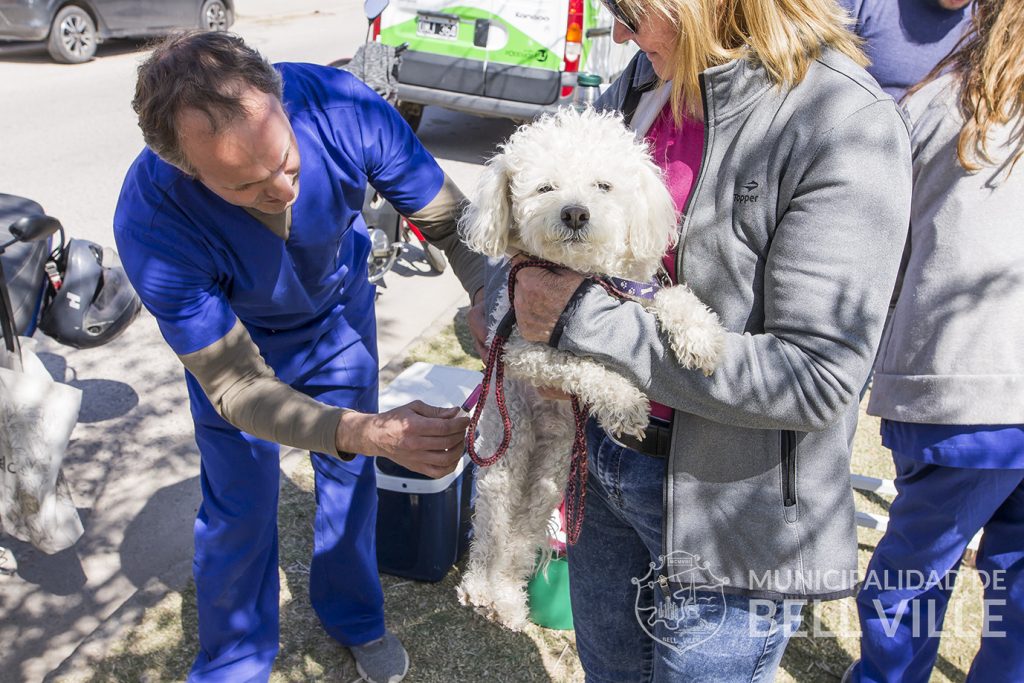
(236, 560)
(935, 515)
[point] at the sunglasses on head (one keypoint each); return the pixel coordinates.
(619, 14)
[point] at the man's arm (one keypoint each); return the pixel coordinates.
(438, 221)
(244, 391)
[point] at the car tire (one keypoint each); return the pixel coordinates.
(73, 36)
(214, 16)
(435, 257)
(412, 113)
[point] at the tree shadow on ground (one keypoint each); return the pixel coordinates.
(445, 641)
(828, 639)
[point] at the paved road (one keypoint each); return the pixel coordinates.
(67, 135)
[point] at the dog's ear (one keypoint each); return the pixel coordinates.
(653, 222)
(487, 221)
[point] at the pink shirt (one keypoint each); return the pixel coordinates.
(678, 152)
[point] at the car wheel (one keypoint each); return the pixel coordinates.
(213, 16)
(412, 113)
(72, 36)
(435, 257)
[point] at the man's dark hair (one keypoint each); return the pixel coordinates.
(203, 70)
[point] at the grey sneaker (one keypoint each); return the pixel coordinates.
(381, 661)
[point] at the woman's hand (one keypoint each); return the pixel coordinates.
(541, 295)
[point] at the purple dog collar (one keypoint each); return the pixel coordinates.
(632, 288)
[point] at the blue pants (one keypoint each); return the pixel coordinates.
(628, 628)
(236, 560)
(936, 513)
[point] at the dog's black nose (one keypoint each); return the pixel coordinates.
(575, 217)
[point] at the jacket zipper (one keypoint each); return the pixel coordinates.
(700, 180)
(665, 540)
(665, 530)
(788, 468)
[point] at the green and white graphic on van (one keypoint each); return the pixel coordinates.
(512, 58)
(525, 37)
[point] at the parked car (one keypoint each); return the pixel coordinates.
(72, 29)
(504, 58)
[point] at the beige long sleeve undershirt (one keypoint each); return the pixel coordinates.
(244, 389)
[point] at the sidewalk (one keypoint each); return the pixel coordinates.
(132, 465)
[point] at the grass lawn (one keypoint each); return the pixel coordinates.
(448, 642)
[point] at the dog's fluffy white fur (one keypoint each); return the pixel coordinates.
(587, 161)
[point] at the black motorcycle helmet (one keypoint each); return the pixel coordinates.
(95, 302)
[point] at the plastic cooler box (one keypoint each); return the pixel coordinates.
(423, 524)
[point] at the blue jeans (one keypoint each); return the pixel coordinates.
(632, 624)
(910, 578)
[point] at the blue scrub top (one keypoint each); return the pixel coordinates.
(197, 261)
(906, 38)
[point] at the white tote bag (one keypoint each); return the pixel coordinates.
(37, 415)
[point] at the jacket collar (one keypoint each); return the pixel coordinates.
(728, 87)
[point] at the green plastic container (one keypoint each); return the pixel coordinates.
(549, 596)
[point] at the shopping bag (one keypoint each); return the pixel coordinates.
(37, 416)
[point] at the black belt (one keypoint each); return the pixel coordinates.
(656, 442)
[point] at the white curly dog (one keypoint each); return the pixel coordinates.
(578, 190)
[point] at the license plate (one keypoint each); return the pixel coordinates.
(438, 27)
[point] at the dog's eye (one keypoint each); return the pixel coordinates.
(545, 188)
(603, 186)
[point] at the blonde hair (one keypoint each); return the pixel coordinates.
(784, 36)
(989, 64)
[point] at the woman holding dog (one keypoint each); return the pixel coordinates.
(791, 172)
(949, 382)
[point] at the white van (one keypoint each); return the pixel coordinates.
(504, 58)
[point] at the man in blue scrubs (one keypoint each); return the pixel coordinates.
(240, 228)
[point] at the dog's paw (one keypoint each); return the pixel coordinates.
(511, 611)
(695, 334)
(625, 416)
(470, 594)
(502, 603)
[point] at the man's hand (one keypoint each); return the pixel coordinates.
(477, 320)
(417, 436)
(540, 297)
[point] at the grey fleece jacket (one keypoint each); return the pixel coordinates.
(793, 235)
(952, 353)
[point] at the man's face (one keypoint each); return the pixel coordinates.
(953, 4)
(253, 162)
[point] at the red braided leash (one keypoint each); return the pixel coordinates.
(496, 365)
(576, 487)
